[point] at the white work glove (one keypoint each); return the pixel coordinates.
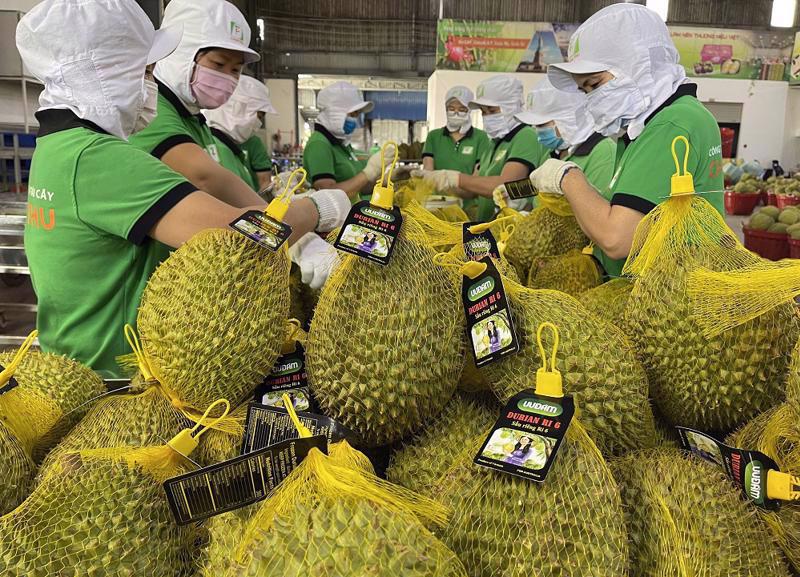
(443, 181)
(281, 181)
(374, 167)
(315, 257)
(547, 178)
(333, 206)
(503, 200)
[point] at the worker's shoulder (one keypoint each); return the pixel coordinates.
(317, 139)
(686, 113)
(435, 133)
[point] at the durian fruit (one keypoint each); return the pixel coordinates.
(540, 234)
(18, 470)
(303, 298)
(599, 366)
(123, 420)
(685, 517)
(776, 433)
(212, 317)
(224, 440)
(94, 515)
(779, 228)
(609, 300)
(572, 272)
(423, 460)
(385, 348)
(224, 534)
(571, 524)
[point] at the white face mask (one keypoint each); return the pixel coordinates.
(496, 125)
(149, 108)
(614, 105)
(456, 120)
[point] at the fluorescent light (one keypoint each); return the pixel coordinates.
(660, 7)
(783, 13)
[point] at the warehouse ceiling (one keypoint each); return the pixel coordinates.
(398, 37)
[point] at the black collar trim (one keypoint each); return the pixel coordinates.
(173, 99)
(513, 133)
(586, 147)
(688, 89)
(228, 141)
(327, 134)
(54, 120)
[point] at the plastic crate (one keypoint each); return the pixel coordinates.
(794, 248)
(769, 245)
(741, 202)
(784, 200)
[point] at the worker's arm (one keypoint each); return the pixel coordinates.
(473, 185)
(208, 175)
(352, 186)
(610, 227)
(264, 178)
(427, 163)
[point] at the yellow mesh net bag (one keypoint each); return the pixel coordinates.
(686, 519)
(385, 348)
(571, 524)
(776, 433)
(331, 517)
(712, 383)
(102, 512)
(572, 272)
(223, 443)
(609, 300)
(549, 230)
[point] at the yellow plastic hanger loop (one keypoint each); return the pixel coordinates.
(484, 226)
(548, 382)
(588, 249)
(472, 268)
(383, 196)
(141, 359)
(681, 184)
(187, 440)
(278, 207)
(301, 428)
(9, 371)
(783, 486)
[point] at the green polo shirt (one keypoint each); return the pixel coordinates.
(174, 125)
(233, 158)
(325, 156)
(597, 158)
(463, 156)
(520, 145)
(642, 177)
(92, 200)
(256, 157)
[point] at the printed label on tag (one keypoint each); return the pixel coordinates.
(262, 229)
(266, 426)
(489, 324)
(236, 483)
(288, 376)
(520, 189)
(12, 382)
(370, 232)
(525, 439)
(747, 469)
(480, 244)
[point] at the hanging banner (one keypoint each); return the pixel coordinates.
(794, 68)
(494, 46)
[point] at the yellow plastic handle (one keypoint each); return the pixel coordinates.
(484, 226)
(141, 359)
(548, 381)
(187, 440)
(278, 207)
(301, 428)
(681, 184)
(9, 371)
(783, 486)
(383, 196)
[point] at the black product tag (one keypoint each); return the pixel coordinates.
(12, 383)
(520, 189)
(288, 376)
(489, 325)
(370, 232)
(525, 439)
(266, 426)
(262, 229)
(479, 244)
(747, 469)
(235, 483)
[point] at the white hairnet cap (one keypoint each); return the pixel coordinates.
(91, 56)
(461, 93)
(502, 90)
(238, 116)
(342, 97)
(546, 104)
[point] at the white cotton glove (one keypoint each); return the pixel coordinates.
(547, 178)
(443, 181)
(281, 181)
(503, 200)
(374, 166)
(333, 206)
(315, 257)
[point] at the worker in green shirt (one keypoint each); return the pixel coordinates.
(624, 60)
(564, 128)
(458, 145)
(99, 208)
(515, 151)
(234, 126)
(328, 157)
(257, 157)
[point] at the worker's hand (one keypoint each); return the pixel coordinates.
(315, 257)
(279, 183)
(333, 206)
(547, 178)
(401, 172)
(443, 181)
(503, 200)
(375, 168)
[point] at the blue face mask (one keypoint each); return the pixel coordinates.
(350, 125)
(548, 138)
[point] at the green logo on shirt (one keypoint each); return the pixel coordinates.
(236, 32)
(468, 150)
(213, 152)
(501, 154)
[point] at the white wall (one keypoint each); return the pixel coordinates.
(282, 96)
